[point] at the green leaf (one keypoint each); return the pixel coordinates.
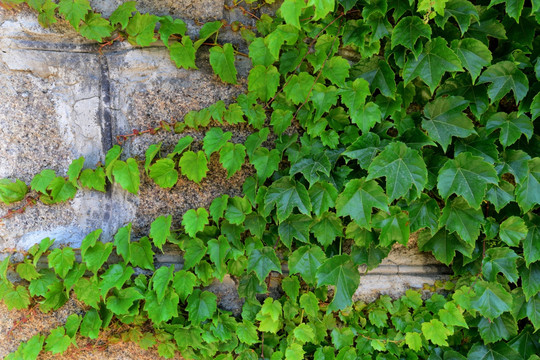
(408, 30)
(336, 70)
(61, 190)
(122, 242)
(201, 306)
(194, 165)
(467, 176)
(91, 324)
(326, 228)
(265, 162)
(444, 118)
(27, 271)
(473, 54)
(291, 286)
(97, 255)
(309, 302)
(367, 116)
(115, 277)
(500, 195)
(451, 315)
(29, 350)
(54, 298)
(491, 299)
(322, 7)
(378, 74)
(503, 327)
(323, 196)
(533, 311)
(436, 59)
(95, 27)
(436, 332)
(183, 53)
(297, 88)
(358, 200)
(259, 53)
(61, 260)
(17, 298)
(343, 273)
(122, 300)
(93, 179)
(194, 252)
(123, 13)
(354, 96)
(183, 283)
(513, 7)
(424, 212)
(160, 281)
(262, 261)
(232, 157)
(286, 194)
(305, 261)
(40, 182)
(87, 291)
(281, 34)
(195, 221)
(394, 226)
(247, 332)
(535, 107)
(513, 230)
(160, 229)
(163, 172)
(89, 241)
(161, 311)
(57, 341)
(141, 29)
(74, 11)
(413, 341)
(207, 30)
(74, 170)
(214, 140)
(182, 144)
(291, 10)
(168, 27)
(11, 192)
(511, 126)
(403, 169)
(263, 81)
(528, 191)
(505, 76)
(219, 250)
(458, 216)
(270, 316)
(463, 11)
(127, 175)
(142, 254)
(295, 226)
(531, 252)
(500, 260)
(222, 61)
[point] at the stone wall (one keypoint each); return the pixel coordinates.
(62, 99)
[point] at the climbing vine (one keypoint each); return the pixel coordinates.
(378, 119)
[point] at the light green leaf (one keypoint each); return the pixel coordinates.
(194, 252)
(168, 27)
(61, 260)
(57, 341)
(413, 341)
(17, 298)
(222, 61)
(408, 30)
(247, 332)
(336, 70)
(11, 192)
(160, 229)
(74, 11)
(183, 53)
(513, 230)
(122, 13)
(297, 88)
(122, 300)
(436, 332)
(91, 324)
(183, 283)
(259, 53)
(263, 81)
(291, 286)
(219, 250)
(232, 157)
(195, 221)
(194, 165)
(127, 175)
(291, 10)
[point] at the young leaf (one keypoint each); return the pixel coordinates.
(183, 283)
(513, 230)
(160, 281)
(61, 260)
(219, 250)
(150, 154)
(122, 300)
(91, 324)
(122, 242)
(74, 11)
(222, 61)
(232, 157)
(168, 27)
(286, 194)
(40, 182)
(11, 192)
(194, 165)
(141, 29)
(247, 332)
(57, 341)
(95, 27)
(266, 162)
(93, 179)
(183, 53)
(17, 298)
(195, 221)
(291, 10)
(160, 229)
(74, 170)
(214, 140)
(436, 332)
(263, 81)
(127, 175)
(163, 172)
(123, 13)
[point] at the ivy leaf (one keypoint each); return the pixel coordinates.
(95, 27)
(142, 254)
(194, 165)
(458, 216)
(505, 76)
(463, 11)
(160, 229)
(473, 54)
(122, 300)
(122, 242)
(511, 125)
(291, 286)
(364, 149)
(468, 176)
(141, 29)
(408, 30)
(305, 261)
(263, 81)
(286, 194)
(528, 191)
(323, 196)
(266, 162)
(194, 252)
(97, 255)
(163, 172)
(195, 221)
(214, 140)
(295, 226)
(424, 212)
(354, 95)
(513, 7)
(358, 200)
(160, 281)
(343, 273)
(57, 341)
(247, 332)
(115, 277)
(122, 13)
(336, 70)
(201, 306)
(17, 298)
(491, 299)
(535, 106)
(11, 192)
(531, 252)
(270, 316)
(378, 74)
(61, 190)
(322, 7)
(260, 54)
(183, 53)
(451, 315)
(183, 283)
(207, 30)
(394, 226)
(413, 341)
(326, 228)
(291, 10)
(312, 167)
(403, 168)
(91, 324)
(74, 170)
(530, 279)
(74, 11)
(436, 59)
(436, 332)
(168, 27)
(513, 230)
(93, 179)
(218, 250)
(503, 327)
(222, 61)
(127, 175)
(164, 311)
(262, 261)
(533, 311)
(39, 183)
(87, 291)
(27, 271)
(367, 116)
(298, 87)
(444, 118)
(232, 157)
(500, 260)
(61, 260)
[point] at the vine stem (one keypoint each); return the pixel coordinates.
(384, 340)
